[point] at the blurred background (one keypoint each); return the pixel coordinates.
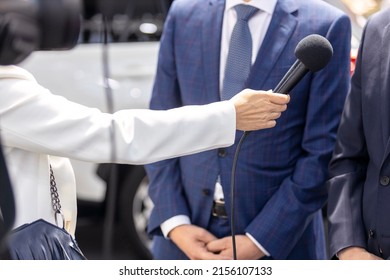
(116, 228)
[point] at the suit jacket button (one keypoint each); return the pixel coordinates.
(385, 180)
(371, 233)
(222, 152)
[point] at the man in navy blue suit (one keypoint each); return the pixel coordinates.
(281, 171)
(359, 190)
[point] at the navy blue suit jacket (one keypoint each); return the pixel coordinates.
(359, 191)
(281, 171)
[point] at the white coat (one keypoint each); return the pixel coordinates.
(39, 128)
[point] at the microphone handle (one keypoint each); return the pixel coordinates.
(291, 78)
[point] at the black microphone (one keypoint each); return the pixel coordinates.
(313, 53)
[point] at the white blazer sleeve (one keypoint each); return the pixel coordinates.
(34, 119)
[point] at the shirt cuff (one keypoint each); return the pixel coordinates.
(173, 222)
(258, 244)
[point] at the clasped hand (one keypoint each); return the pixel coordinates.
(199, 244)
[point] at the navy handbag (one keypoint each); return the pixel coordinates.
(42, 240)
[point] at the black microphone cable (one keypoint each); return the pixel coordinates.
(233, 194)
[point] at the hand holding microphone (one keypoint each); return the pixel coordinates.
(258, 109)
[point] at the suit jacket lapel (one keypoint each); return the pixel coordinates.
(385, 87)
(211, 32)
(281, 28)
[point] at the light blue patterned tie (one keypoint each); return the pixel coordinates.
(239, 58)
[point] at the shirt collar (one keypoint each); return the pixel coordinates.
(267, 6)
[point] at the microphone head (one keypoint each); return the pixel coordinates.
(314, 51)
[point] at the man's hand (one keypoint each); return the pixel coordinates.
(258, 109)
(192, 241)
(246, 249)
(356, 253)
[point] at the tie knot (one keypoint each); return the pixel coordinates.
(245, 12)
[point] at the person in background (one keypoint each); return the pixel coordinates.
(281, 172)
(359, 193)
(39, 129)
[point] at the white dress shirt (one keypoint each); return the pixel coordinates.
(39, 128)
(258, 26)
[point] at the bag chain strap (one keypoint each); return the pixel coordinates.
(55, 199)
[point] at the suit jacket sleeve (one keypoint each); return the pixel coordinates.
(34, 119)
(165, 187)
(348, 171)
(285, 216)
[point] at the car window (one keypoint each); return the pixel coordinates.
(137, 21)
